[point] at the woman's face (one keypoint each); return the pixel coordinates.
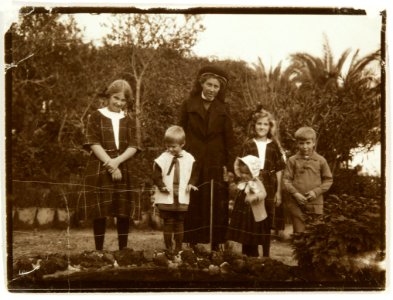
(117, 102)
(210, 88)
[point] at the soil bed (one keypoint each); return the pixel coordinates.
(44, 242)
(67, 263)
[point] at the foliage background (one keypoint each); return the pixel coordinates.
(59, 79)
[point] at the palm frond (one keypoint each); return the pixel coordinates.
(341, 61)
(328, 56)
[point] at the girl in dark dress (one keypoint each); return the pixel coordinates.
(209, 138)
(107, 180)
(263, 143)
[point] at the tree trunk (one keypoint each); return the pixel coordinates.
(334, 166)
(59, 136)
(138, 112)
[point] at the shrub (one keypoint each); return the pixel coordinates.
(347, 243)
(347, 181)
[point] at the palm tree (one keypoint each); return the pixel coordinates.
(343, 109)
(270, 88)
(360, 75)
(308, 70)
(363, 84)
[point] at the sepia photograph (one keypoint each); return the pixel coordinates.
(198, 148)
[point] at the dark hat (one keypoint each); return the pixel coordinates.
(215, 71)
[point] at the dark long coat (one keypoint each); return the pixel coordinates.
(243, 228)
(210, 139)
(101, 196)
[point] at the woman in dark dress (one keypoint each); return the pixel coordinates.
(209, 138)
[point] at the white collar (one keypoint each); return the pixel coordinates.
(111, 114)
(263, 142)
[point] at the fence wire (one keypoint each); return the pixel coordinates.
(137, 207)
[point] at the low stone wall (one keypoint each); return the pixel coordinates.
(45, 217)
(42, 217)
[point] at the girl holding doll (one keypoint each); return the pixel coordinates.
(107, 182)
(262, 143)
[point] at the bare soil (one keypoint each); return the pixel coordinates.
(32, 243)
(134, 270)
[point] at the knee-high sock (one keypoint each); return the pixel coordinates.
(99, 232)
(266, 247)
(178, 234)
(123, 224)
(168, 232)
(250, 250)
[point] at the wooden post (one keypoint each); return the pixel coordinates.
(211, 214)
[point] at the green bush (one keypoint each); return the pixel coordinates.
(346, 181)
(346, 243)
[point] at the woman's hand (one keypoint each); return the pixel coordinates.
(227, 176)
(116, 175)
(278, 199)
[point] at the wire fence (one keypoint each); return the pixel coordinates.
(41, 203)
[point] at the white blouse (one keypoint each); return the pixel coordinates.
(115, 118)
(261, 145)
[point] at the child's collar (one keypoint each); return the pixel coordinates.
(312, 156)
(111, 114)
(180, 154)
